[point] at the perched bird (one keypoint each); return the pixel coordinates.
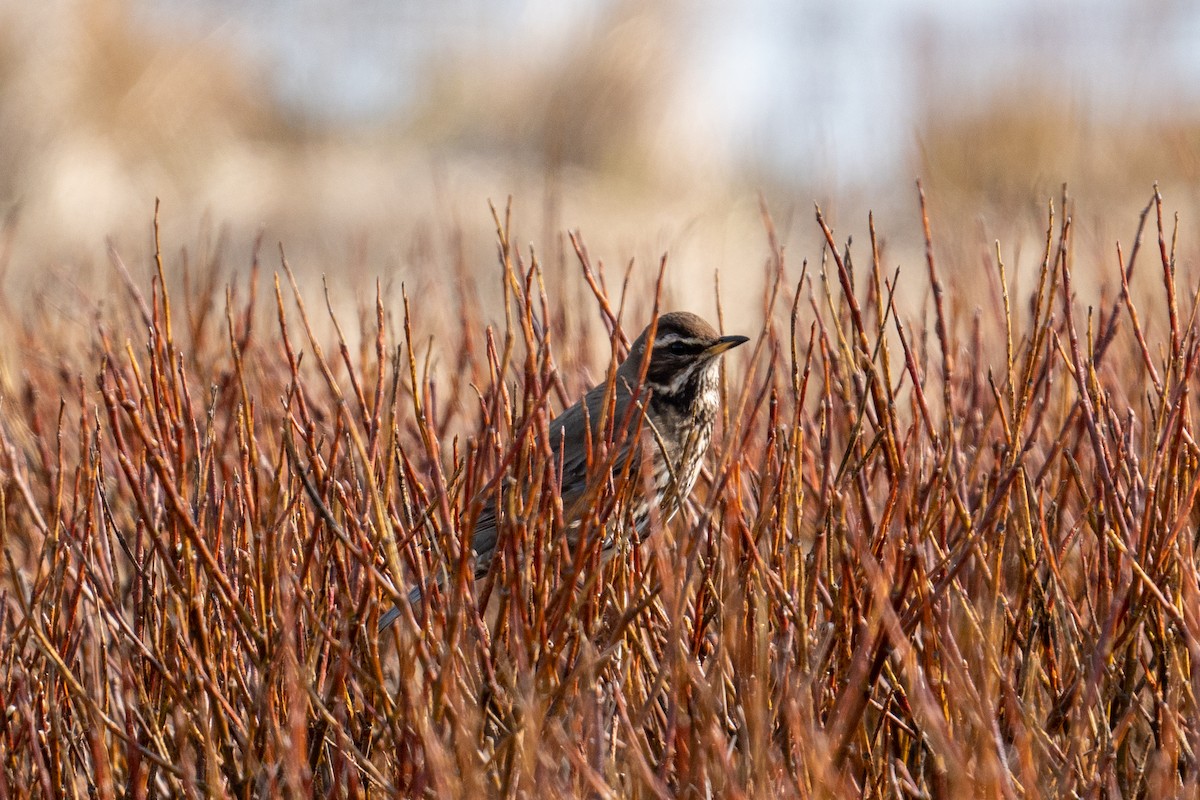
(680, 402)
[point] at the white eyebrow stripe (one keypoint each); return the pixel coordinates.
(672, 338)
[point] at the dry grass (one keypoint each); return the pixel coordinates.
(904, 573)
(997, 157)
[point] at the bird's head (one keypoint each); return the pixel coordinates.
(682, 351)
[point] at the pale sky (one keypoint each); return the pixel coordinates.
(775, 84)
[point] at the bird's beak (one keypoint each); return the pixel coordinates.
(725, 343)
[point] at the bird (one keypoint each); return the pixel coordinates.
(677, 406)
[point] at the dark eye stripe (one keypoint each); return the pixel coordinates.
(681, 347)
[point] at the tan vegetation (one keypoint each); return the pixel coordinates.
(933, 554)
(999, 156)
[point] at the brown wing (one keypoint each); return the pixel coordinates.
(567, 430)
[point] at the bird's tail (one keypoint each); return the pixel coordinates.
(392, 614)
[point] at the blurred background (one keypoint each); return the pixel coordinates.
(367, 137)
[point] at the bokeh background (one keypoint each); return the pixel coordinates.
(367, 137)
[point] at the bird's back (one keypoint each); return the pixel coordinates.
(569, 439)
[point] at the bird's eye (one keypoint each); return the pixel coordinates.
(677, 348)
